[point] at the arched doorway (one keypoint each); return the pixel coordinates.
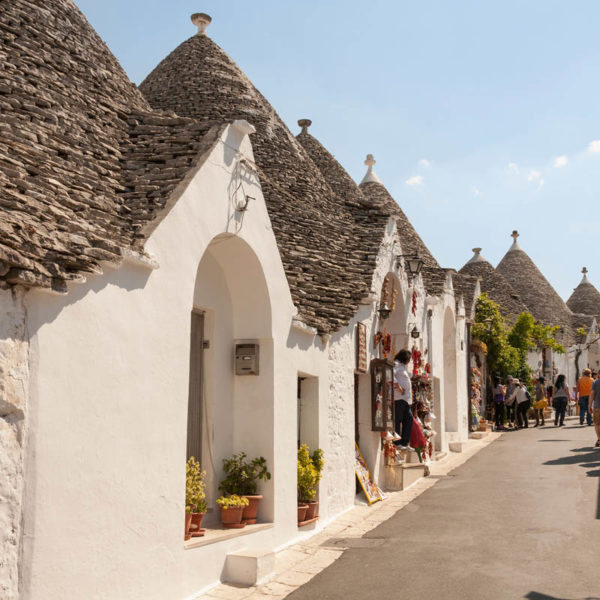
(450, 375)
(231, 313)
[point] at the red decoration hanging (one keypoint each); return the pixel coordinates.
(414, 302)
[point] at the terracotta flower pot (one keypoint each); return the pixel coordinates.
(250, 511)
(188, 522)
(313, 510)
(232, 517)
(302, 508)
(196, 526)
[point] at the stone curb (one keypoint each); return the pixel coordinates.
(299, 563)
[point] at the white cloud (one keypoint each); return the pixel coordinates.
(476, 191)
(536, 177)
(415, 180)
(424, 163)
(561, 161)
(513, 168)
(594, 146)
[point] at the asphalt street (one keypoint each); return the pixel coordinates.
(521, 519)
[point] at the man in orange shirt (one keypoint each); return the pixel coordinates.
(584, 387)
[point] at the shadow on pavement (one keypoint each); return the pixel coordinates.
(588, 458)
(538, 596)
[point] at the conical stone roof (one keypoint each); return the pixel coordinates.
(370, 220)
(79, 147)
(314, 229)
(535, 291)
(585, 299)
(494, 284)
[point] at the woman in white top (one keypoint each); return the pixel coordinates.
(403, 418)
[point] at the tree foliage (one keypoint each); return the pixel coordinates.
(508, 346)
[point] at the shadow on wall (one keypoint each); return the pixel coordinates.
(126, 276)
(588, 458)
(540, 596)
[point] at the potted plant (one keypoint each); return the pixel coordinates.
(241, 479)
(195, 496)
(232, 508)
(310, 468)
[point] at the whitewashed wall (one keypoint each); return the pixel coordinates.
(104, 503)
(14, 390)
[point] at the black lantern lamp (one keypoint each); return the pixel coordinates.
(413, 262)
(414, 333)
(384, 311)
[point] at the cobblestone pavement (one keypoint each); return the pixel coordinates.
(299, 563)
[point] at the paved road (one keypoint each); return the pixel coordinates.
(521, 519)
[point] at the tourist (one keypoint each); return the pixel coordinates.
(540, 402)
(510, 402)
(560, 400)
(403, 419)
(583, 389)
(499, 395)
(595, 406)
(522, 399)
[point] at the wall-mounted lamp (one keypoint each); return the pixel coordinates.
(414, 333)
(243, 205)
(384, 311)
(413, 262)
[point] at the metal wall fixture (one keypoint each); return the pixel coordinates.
(413, 262)
(384, 311)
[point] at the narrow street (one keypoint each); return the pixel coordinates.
(521, 519)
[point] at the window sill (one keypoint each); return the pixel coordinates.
(212, 536)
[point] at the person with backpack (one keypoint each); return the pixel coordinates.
(560, 400)
(499, 395)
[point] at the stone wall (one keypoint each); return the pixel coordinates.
(14, 350)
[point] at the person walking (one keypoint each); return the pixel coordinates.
(595, 406)
(499, 396)
(560, 400)
(540, 402)
(510, 402)
(583, 389)
(522, 399)
(403, 419)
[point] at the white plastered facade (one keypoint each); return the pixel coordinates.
(104, 375)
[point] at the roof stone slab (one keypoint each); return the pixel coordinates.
(495, 285)
(317, 228)
(535, 291)
(78, 147)
(585, 298)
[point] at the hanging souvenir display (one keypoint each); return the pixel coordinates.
(414, 302)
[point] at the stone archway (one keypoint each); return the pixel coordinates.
(236, 412)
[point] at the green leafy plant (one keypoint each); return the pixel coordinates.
(241, 475)
(195, 494)
(310, 469)
(233, 501)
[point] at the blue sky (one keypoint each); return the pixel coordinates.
(483, 117)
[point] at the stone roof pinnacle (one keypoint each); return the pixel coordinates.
(585, 272)
(202, 21)
(370, 177)
(476, 256)
(305, 124)
(515, 244)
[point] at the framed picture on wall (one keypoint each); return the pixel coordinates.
(382, 395)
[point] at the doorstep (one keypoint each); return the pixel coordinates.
(212, 536)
